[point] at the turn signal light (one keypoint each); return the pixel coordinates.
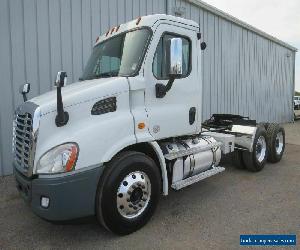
(72, 159)
(141, 125)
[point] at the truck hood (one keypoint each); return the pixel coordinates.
(82, 92)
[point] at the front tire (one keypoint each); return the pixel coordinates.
(128, 192)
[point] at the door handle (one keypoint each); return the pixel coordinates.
(192, 115)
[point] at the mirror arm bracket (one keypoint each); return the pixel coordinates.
(170, 83)
(24, 90)
(62, 116)
(199, 35)
(161, 89)
(24, 97)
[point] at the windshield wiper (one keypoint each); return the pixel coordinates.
(102, 75)
(107, 74)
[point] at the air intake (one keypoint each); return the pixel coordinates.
(105, 106)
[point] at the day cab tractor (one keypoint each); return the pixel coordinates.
(130, 129)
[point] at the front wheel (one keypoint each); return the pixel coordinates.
(128, 192)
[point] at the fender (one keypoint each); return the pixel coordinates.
(163, 167)
(159, 154)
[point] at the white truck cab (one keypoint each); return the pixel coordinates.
(130, 129)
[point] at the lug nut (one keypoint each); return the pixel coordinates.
(128, 200)
(140, 205)
(143, 187)
(135, 208)
(129, 192)
(130, 205)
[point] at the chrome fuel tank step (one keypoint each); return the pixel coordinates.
(193, 179)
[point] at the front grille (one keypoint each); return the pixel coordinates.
(23, 140)
(25, 131)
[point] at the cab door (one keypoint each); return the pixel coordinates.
(177, 112)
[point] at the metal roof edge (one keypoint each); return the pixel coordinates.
(233, 19)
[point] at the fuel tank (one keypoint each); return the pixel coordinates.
(192, 164)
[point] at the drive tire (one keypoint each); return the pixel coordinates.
(237, 159)
(251, 161)
(275, 142)
(108, 210)
(264, 124)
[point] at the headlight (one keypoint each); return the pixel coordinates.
(58, 160)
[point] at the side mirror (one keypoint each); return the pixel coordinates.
(24, 89)
(174, 66)
(203, 45)
(174, 57)
(61, 79)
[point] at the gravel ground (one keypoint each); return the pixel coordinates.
(208, 215)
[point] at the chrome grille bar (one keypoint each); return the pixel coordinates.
(25, 129)
(23, 140)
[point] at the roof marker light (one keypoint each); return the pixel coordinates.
(118, 28)
(138, 20)
(97, 39)
(107, 33)
(112, 30)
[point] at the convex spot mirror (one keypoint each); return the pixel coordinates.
(61, 79)
(24, 89)
(174, 56)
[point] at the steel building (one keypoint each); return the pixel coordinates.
(245, 70)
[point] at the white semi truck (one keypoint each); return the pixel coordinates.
(130, 129)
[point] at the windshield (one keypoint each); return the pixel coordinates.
(118, 56)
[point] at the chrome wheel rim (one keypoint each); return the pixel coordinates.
(279, 143)
(261, 148)
(133, 194)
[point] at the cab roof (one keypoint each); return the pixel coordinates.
(144, 21)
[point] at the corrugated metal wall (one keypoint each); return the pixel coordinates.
(243, 72)
(40, 37)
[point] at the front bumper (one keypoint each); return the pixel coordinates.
(71, 195)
